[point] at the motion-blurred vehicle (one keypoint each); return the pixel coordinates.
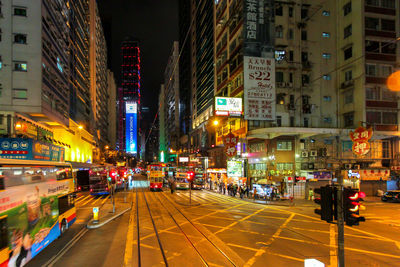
(258, 191)
(391, 196)
(82, 180)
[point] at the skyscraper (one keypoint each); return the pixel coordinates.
(129, 97)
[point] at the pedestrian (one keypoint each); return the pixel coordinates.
(272, 194)
(235, 188)
(241, 192)
(310, 194)
(255, 193)
(247, 191)
(224, 187)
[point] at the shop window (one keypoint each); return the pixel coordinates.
(284, 145)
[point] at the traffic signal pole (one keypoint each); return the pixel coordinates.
(340, 219)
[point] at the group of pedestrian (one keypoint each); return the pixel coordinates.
(172, 185)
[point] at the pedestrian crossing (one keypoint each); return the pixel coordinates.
(90, 201)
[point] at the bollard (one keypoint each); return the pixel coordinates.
(95, 214)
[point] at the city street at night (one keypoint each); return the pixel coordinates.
(218, 230)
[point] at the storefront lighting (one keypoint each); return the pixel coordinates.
(297, 155)
(18, 126)
(264, 159)
(215, 122)
(80, 127)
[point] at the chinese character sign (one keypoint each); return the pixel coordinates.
(360, 137)
(259, 88)
(230, 142)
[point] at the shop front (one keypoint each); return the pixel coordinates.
(369, 181)
(216, 176)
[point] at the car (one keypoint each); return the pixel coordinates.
(393, 196)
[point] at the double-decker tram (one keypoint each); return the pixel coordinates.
(181, 178)
(155, 176)
(199, 180)
(36, 206)
(98, 181)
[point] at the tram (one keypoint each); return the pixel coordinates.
(155, 176)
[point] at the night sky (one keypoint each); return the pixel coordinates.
(155, 24)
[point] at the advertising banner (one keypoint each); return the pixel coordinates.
(234, 168)
(228, 106)
(259, 88)
(131, 127)
(29, 149)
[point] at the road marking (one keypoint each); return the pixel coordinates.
(86, 202)
(105, 199)
(346, 248)
(83, 199)
(129, 240)
(332, 244)
(243, 247)
(79, 197)
(98, 199)
(67, 247)
(262, 250)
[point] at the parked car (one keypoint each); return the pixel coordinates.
(392, 196)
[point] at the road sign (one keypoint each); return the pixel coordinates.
(95, 214)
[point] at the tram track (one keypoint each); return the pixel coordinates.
(196, 228)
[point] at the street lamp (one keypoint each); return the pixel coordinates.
(106, 147)
(215, 122)
(393, 81)
(80, 127)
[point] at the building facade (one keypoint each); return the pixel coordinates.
(112, 112)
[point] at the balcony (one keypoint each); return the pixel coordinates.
(380, 10)
(376, 33)
(380, 57)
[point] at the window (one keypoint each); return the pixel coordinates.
(290, 77)
(389, 117)
(372, 23)
(279, 76)
(348, 53)
(388, 95)
(374, 117)
(388, 25)
(305, 122)
(279, 31)
(284, 166)
(326, 77)
(280, 55)
(327, 120)
(20, 38)
(347, 31)
(20, 93)
(304, 56)
(65, 203)
(372, 93)
(290, 34)
(20, 11)
(388, 3)
(326, 34)
(348, 97)
(305, 79)
(326, 13)
(348, 119)
(348, 75)
(386, 70)
(279, 11)
(20, 66)
(290, 12)
(284, 145)
(347, 8)
(371, 46)
(327, 98)
(304, 35)
(388, 48)
(372, 2)
(326, 55)
(304, 13)
(291, 56)
(291, 121)
(371, 70)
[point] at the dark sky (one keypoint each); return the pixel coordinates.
(155, 24)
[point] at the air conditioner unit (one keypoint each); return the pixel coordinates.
(313, 153)
(347, 166)
(311, 166)
(304, 154)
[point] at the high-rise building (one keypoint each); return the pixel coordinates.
(35, 63)
(202, 81)
(162, 140)
(129, 97)
(80, 103)
(185, 74)
(98, 76)
(112, 109)
(171, 100)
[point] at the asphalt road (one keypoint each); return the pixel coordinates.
(218, 230)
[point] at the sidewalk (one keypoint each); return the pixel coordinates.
(105, 212)
(286, 202)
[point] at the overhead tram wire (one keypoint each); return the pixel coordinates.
(175, 65)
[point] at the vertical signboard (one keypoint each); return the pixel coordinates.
(131, 127)
(259, 88)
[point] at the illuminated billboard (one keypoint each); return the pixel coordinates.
(131, 127)
(228, 106)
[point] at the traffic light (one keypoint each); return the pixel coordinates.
(112, 177)
(352, 206)
(190, 176)
(327, 202)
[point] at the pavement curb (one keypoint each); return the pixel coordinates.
(92, 225)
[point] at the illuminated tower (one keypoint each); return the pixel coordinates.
(129, 98)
